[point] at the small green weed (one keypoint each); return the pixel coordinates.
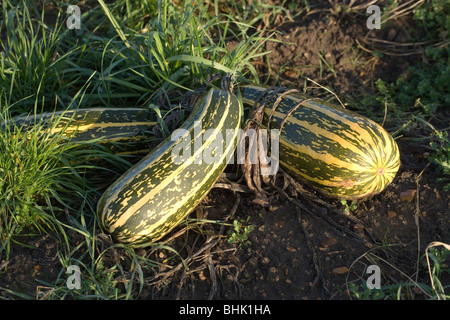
(441, 156)
(239, 234)
(434, 17)
(349, 207)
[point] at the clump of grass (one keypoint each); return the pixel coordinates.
(31, 66)
(176, 52)
(35, 172)
(434, 261)
(42, 175)
(249, 16)
(438, 252)
(101, 276)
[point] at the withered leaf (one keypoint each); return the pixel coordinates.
(340, 270)
(408, 195)
(391, 214)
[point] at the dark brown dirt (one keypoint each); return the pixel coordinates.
(293, 253)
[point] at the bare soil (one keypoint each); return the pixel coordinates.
(295, 253)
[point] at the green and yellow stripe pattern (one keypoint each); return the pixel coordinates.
(123, 130)
(334, 150)
(157, 193)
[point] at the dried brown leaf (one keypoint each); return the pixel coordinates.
(408, 195)
(340, 270)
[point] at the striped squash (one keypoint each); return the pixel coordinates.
(123, 130)
(332, 149)
(158, 192)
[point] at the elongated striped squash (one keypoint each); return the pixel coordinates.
(158, 192)
(123, 130)
(332, 149)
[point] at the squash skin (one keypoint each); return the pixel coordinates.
(335, 151)
(122, 130)
(157, 193)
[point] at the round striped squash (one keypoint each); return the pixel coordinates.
(332, 149)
